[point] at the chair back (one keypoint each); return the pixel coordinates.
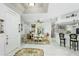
(73, 36)
(61, 35)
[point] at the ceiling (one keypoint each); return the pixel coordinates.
(53, 8)
(46, 11)
(25, 8)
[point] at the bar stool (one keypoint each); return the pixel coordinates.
(73, 41)
(61, 35)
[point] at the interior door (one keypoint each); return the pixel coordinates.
(12, 33)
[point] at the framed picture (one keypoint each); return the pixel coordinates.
(1, 26)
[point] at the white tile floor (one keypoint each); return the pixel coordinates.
(53, 49)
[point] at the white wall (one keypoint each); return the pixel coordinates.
(26, 28)
(47, 28)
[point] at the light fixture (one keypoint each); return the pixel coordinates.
(31, 4)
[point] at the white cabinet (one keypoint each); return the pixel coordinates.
(12, 31)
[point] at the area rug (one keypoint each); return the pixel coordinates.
(30, 52)
(43, 42)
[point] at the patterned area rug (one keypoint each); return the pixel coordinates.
(30, 52)
(43, 42)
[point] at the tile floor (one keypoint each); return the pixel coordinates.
(53, 49)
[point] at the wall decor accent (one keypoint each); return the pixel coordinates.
(77, 30)
(72, 15)
(1, 26)
(19, 28)
(33, 25)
